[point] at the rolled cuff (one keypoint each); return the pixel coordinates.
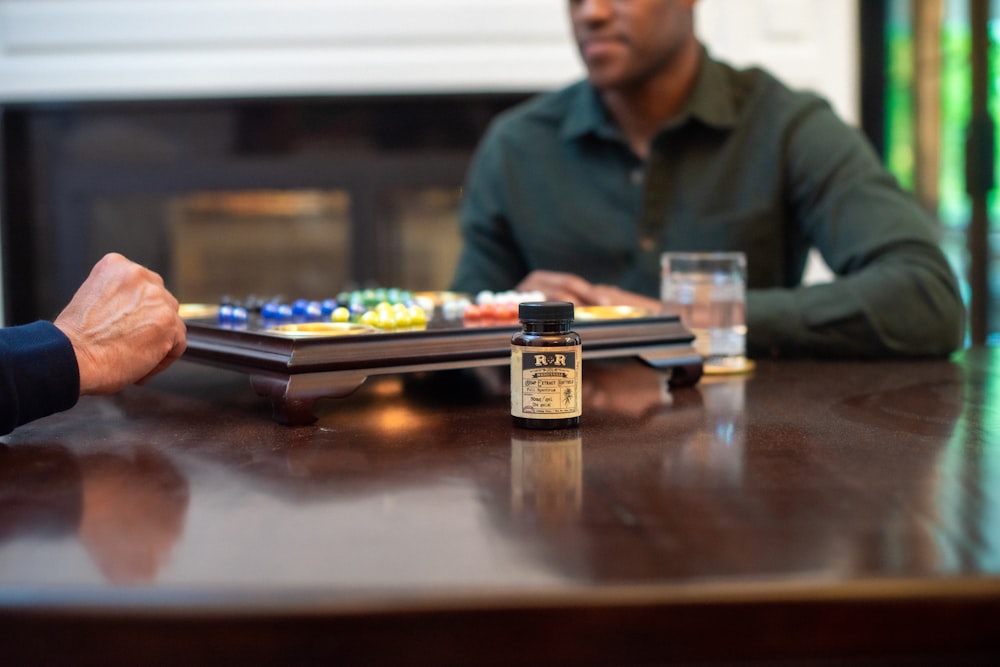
(39, 374)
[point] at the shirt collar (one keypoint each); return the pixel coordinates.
(712, 102)
(587, 115)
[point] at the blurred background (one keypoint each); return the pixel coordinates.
(303, 147)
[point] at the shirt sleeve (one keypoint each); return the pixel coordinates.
(895, 293)
(490, 258)
(39, 374)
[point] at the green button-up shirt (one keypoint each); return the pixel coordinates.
(748, 165)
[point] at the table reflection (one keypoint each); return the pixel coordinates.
(625, 389)
(715, 452)
(809, 468)
(126, 508)
(546, 475)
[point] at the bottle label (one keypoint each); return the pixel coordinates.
(545, 382)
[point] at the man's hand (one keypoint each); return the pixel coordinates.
(558, 286)
(124, 326)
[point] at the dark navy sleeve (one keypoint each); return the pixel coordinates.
(38, 374)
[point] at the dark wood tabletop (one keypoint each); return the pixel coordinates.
(830, 511)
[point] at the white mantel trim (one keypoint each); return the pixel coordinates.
(149, 49)
(87, 49)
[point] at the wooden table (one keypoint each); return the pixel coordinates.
(837, 511)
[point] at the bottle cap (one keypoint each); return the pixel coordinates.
(545, 311)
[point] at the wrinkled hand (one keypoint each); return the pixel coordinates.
(124, 326)
(558, 286)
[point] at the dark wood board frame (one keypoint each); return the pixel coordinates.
(294, 371)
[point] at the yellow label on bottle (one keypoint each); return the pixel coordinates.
(545, 382)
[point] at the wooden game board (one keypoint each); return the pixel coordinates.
(293, 370)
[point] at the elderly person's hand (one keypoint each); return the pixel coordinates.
(124, 326)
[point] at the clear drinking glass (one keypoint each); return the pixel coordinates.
(708, 291)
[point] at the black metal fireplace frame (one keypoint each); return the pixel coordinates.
(358, 144)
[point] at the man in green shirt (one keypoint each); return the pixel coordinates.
(577, 193)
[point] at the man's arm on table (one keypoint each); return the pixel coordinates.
(894, 293)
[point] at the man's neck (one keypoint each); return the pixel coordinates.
(642, 110)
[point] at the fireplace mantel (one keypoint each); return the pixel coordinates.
(61, 60)
(77, 50)
(123, 49)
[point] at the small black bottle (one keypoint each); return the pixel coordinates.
(545, 367)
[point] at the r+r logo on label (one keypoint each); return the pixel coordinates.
(550, 360)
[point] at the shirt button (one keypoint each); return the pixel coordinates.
(647, 244)
(637, 176)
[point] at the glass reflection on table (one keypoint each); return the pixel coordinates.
(714, 453)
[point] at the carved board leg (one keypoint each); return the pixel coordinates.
(284, 410)
(685, 365)
(686, 375)
(293, 397)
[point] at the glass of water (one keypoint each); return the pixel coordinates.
(708, 291)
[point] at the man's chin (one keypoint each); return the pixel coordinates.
(604, 77)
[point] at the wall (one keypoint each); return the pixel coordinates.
(157, 48)
(54, 50)
(101, 49)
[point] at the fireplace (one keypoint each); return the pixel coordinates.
(285, 197)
